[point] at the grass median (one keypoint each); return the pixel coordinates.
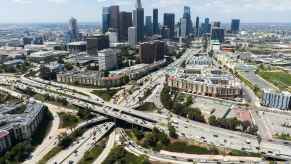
(50, 154)
(106, 95)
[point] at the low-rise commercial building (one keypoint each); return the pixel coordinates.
(46, 56)
(50, 71)
(279, 100)
(203, 59)
(90, 78)
(77, 47)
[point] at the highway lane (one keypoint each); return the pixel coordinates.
(109, 146)
(75, 152)
(181, 158)
(49, 141)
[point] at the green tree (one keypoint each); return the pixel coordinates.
(172, 131)
(212, 120)
(68, 66)
(138, 134)
(66, 141)
(189, 100)
(166, 98)
(106, 73)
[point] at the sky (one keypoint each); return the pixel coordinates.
(25, 11)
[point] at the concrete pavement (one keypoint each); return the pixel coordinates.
(109, 146)
(76, 151)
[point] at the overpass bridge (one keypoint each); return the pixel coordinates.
(112, 111)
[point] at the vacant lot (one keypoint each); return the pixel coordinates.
(106, 94)
(280, 79)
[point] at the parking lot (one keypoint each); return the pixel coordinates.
(275, 121)
(212, 107)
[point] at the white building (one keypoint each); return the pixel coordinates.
(107, 59)
(183, 28)
(132, 38)
(278, 100)
(113, 37)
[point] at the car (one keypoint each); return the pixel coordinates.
(215, 135)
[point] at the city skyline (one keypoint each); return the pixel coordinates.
(34, 11)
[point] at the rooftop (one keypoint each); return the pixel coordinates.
(80, 43)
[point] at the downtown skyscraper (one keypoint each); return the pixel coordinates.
(110, 18)
(73, 31)
(125, 22)
(206, 27)
(138, 21)
(156, 28)
(169, 22)
(187, 16)
(235, 26)
(197, 27)
(105, 19)
(148, 26)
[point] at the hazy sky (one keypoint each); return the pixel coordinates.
(90, 10)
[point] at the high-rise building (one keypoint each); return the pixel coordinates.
(125, 22)
(132, 38)
(160, 49)
(197, 32)
(114, 17)
(218, 34)
(148, 26)
(169, 21)
(235, 26)
(152, 51)
(156, 21)
(110, 18)
(187, 16)
(107, 59)
(96, 43)
(138, 20)
(105, 19)
(165, 32)
(113, 36)
(216, 24)
(73, 29)
(206, 27)
(183, 28)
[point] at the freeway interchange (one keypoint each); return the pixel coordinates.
(203, 133)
